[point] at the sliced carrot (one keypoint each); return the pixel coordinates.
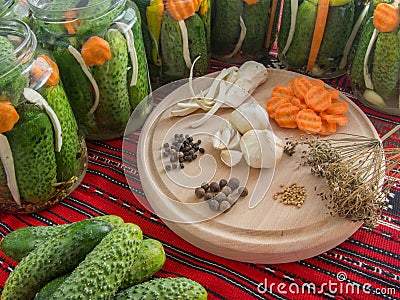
(71, 24)
(317, 98)
(337, 107)
(285, 115)
(307, 120)
(298, 102)
(41, 65)
(301, 86)
(327, 128)
(322, 14)
(268, 38)
(273, 103)
(181, 9)
(317, 82)
(95, 51)
(8, 116)
(337, 119)
(250, 2)
(386, 17)
(282, 91)
(334, 93)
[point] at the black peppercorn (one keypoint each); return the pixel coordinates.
(214, 187)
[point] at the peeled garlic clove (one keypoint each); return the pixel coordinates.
(231, 157)
(216, 140)
(258, 148)
(248, 116)
(278, 149)
(235, 140)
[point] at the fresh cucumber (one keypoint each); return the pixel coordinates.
(163, 289)
(256, 18)
(197, 44)
(113, 111)
(171, 43)
(20, 242)
(54, 258)
(150, 258)
(32, 145)
(101, 273)
(49, 289)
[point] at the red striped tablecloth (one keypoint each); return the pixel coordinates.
(365, 266)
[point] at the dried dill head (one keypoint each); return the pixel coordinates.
(354, 168)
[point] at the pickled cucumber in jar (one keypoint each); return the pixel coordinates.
(99, 49)
(315, 35)
(375, 72)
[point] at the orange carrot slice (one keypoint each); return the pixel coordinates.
(299, 103)
(327, 128)
(337, 107)
(301, 86)
(181, 9)
(334, 93)
(386, 17)
(282, 91)
(8, 116)
(322, 14)
(317, 82)
(285, 115)
(42, 65)
(271, 23)
(250, 2)
(307, 120)
(317, 98)
(337, 119)
(95, 51)
(71, 24)
(273, 103)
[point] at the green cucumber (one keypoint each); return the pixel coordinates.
(386, 64)
(163, 289)
(357, 67)
(171, 43)
(225, 25)
(68, 159)
(197, 44)
(54, 258)
(32, 145)
(299, 50)
(19, 243)
(256, 18)
(337, 31)
(101, 273)
(78, 88)
(113, 111)
(49, 289)
(150, 258)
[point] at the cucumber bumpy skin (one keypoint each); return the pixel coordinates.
(101, 273)
(68, 159)
(20, 242)
(149, 260)
(114, 108)
(163, 289)
(49, 289)
(32, 145)
(54, 258)
(197, 44)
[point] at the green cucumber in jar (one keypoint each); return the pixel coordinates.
(53, 258)
(19, 243)
(32, 145)
(299, 50)
(197, 44)
(113, 111)
(256, 18)
(337, 31)
(225, 26)
(49, 289)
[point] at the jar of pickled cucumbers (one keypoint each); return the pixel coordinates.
(43, 156)
(14, 9)
(316, 36)
(175, 33)
(243, 30)
(99, 49)
(375, 72)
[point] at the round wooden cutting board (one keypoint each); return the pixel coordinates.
(268, 233)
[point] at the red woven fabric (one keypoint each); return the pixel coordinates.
(369, 259)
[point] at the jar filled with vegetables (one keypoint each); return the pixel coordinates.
(14, 9)
(175, 33)
(316, 36)
(98, 46)
(375, 72)
(43, 157)
(243, 30)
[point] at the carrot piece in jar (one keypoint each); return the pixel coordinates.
(8, 116)
(95, 51)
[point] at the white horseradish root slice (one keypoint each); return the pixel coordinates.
(34, 97)
(294, 5)
(367, 74)
(243, 32)
(130, 42)
(89, 75)
(185, 40)
(8, 164)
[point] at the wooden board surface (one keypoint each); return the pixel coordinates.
(269, 233)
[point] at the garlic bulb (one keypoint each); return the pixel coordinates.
(258, 148)
(249, 115)
(225, 138)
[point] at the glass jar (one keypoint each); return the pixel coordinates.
(243, 30)
(175, 33)
(375, 72)
(315, 35)
(98, 46)
(14, 9)
(43, 157)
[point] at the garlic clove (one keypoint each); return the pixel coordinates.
(231, 157)
(216, 140)
(258, 148)
(235, 140)
(279, 146)
(248, 116)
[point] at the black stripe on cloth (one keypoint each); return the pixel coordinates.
(110, 165)
(105, 145)
(369, 247)
(109, 178)
(104, 153)
(76, 209)
(58, 216)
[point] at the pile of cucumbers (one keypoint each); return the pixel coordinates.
(97, 258)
